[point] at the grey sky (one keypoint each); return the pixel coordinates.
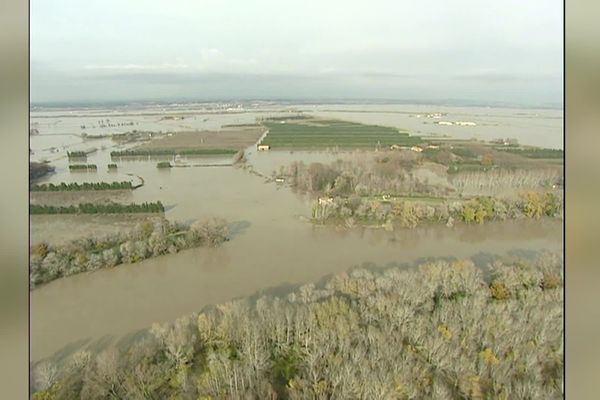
(480, 50)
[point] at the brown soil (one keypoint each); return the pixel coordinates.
(235, 139)
(77, 197)
(60, 229)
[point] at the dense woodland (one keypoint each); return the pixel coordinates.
(409, 173)
(439, 331)
(146, 240)
(91, 208)
(85, 186)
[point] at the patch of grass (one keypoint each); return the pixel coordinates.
(318, 134)
(535, 152)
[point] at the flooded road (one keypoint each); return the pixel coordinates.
(271, 246)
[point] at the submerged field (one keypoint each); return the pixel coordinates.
(232, 139)
(311, 133)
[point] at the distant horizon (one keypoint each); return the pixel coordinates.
(297, 101)
(460, 52)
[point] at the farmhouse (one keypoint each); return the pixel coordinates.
(263, 147)
(465, 123)
(325, 201)
(417, 149)
(398, 147)
(445, 123)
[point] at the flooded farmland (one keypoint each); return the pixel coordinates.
(272, 245)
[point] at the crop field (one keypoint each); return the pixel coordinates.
(319, 134)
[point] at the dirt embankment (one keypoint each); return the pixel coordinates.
(61, 229)
(77, 197)
(234, 139)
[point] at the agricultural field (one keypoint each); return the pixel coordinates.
(311, 133)
(226, 141)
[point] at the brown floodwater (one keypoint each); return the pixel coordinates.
(271, 246)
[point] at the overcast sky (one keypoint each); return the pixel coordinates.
(476, 50)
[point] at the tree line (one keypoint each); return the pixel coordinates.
(146, 240)
(441, 330)
(82, 167)
(407, 213)
(91, 208)
(76, 154)
(169, 152)
(407, 173)
(85, 186)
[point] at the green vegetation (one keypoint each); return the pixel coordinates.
(145, 240)
(439, 331)
(90, 208)
(112, 166)
(534, 152)
(398, 212)
(74, 186)
(163, 164)
(171, 152)
(319, 134)
(83, 167)
(76, 154)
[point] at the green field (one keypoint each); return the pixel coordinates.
(318, 134)
(534, 152)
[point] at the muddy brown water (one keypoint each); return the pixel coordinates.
(271, 246)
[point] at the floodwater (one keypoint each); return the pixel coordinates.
(542, 128)
(271, 246)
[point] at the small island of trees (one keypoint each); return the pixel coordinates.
(146, 240)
